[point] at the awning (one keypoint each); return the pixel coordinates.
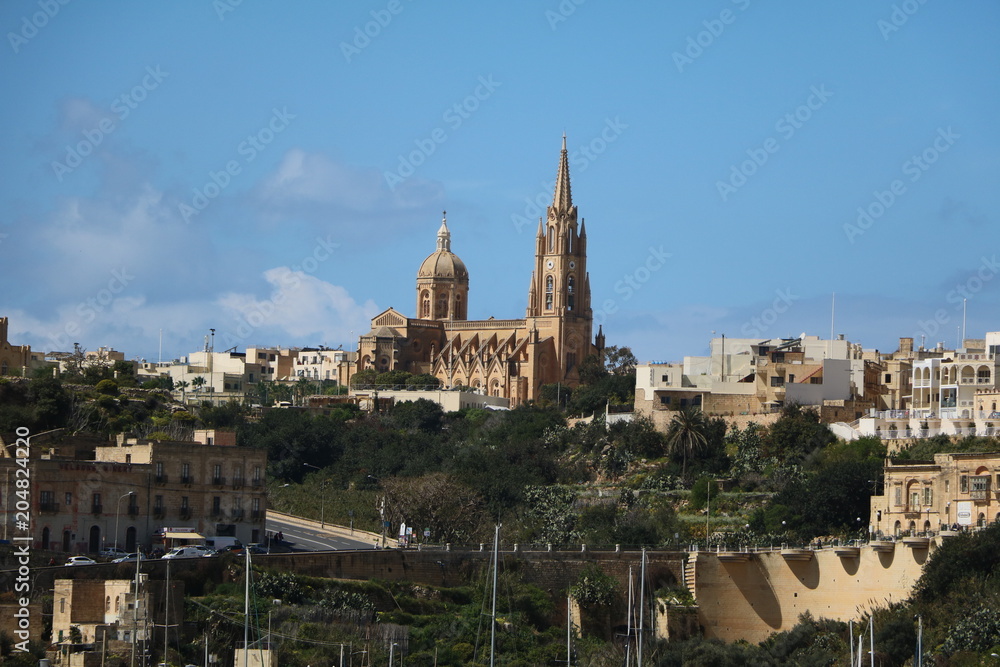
(171, 535)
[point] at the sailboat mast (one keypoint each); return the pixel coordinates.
(642, 601)
(166, 614)
(493, 615)
(246, 611)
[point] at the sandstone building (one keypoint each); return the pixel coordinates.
(508, 358)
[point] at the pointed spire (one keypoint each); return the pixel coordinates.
(541, 228)
(444, 236)
(583, 228)
(563, 199)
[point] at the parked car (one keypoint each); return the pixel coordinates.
(258, 549)
(235, 549)
(81, 560)
(113, 552)
(195, 551)
(131, 558)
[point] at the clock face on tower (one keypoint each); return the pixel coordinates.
(550, 264)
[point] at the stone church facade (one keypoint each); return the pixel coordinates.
(509, 358)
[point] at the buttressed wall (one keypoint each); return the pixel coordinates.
(767, 592)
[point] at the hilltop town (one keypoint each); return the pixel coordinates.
(781, 491)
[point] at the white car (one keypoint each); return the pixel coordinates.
(80, 560)
(130, 558)
(113, 552)
(195, 551)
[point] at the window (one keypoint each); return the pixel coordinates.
(777, 381)
(791, 379)
(899, 495)
(217, 473)
(255, 504)
(980, 487)
(62, 610)
(816, 380)
(963, 484)
(216, 505)
(947, 487)
(158, 504)
(184, 503)
(69, 499)
(548, 292)
(159, 469)
(47, 500)
(664, 400)
(888, 378)
(570, 296)
(186, 473)
(928, 495)
(914, 500)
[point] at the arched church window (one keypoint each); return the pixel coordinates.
(442, 307)
(458, 305)
(570, 292)
(548, 293)
(552, 240)
(425, 304)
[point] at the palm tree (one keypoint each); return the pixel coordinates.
(686, 434)
(198, 382)
(182, 385)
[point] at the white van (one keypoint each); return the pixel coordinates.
(196, 551)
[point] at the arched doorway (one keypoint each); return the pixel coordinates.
(981, 523)
(130, 539)
(897, 529)
(94, 546)
(66, 541)
(45, 538)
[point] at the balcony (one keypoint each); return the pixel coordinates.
(256, 515)
(217, 513)
(48, 507)
(218, 481)
(257, 483)
(96, 509)
(237, 482)
(158, 512)
(161, 479)
(185, 513)
(133, 510)
(238, 515)
(187, 480)
(979, 494)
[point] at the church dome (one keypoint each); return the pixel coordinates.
(443, 263)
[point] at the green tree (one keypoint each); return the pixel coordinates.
(686, 434)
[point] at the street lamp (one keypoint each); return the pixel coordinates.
(322, 498)
(118, 511)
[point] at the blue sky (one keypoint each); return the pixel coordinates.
(277, 171)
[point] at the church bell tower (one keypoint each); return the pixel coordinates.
(559, 295)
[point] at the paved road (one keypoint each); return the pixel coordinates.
(310, 536)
